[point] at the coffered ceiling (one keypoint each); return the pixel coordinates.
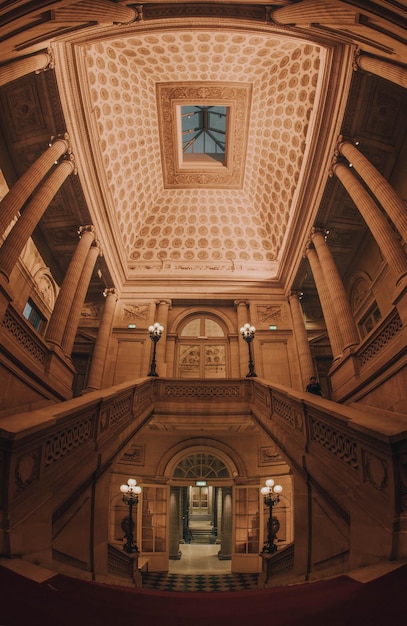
(229, 220)
(193, 228)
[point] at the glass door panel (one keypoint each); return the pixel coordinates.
(189, 361)
(215, 361)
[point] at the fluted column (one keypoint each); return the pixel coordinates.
(74, 316)
(315, 11)
(331, 322)
(56, 326)
(339, 298)
(394, 206)
(96, 11)
(163, 307)
(14, 200)
(95, 378)
(301, 339)
(23, 66)
(25, 225)
(242, 318)
(378, 225)
(382, 68)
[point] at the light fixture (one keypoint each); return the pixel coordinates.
(271, 493)
(156, 330)
(130, 492)
(248, 333)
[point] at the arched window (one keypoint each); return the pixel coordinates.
(201, 466)
(202, 349)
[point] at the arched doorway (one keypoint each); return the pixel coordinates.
(202, 347)
(201, 514)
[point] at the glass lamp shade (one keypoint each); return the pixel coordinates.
(269, 482)
(278, 489)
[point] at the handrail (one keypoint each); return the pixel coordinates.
(351, 460)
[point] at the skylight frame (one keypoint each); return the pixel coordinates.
(197, 172)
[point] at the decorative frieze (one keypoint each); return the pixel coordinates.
(68, 439)
(202, 391)
(26, 341)
(389, 331)
(343, 447)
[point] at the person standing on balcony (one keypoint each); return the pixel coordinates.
(314, 387)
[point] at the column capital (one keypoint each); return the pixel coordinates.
(316, 230)
(164, 301)
(308, 246)
(338, 158)
(294, 293)
(89, 228)
(96, 244)
(61, 137)
(355, 61)
(110, 292)
(51, 62)
(241, 303)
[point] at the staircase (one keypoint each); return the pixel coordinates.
(201, 529)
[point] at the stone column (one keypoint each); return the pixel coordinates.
(242, 311)
(26, 223)
(56, 326)
(315, 11)
(163, 307)
(174, 551)
(23, 66)
(97, 367)
(331, 322)
(14, 200)
(225, 551)
(301, 339)
(382, 68)
(102, 11)
(378, 225)
(394, 206)
(339, 298)
(74, 316)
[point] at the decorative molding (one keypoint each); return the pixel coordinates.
(134, 456)
(268, 455)
(235, 96)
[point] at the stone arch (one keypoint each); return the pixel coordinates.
(174, 455)
(360, 289)
(196, 311)
(46, 287)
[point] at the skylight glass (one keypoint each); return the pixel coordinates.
(203, 131)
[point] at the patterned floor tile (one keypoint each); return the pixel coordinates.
(161, 581)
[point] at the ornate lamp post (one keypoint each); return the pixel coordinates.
(155, 335)
(248, 333)
(271, 493)
(130, 492)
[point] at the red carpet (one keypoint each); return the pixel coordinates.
(65, 601)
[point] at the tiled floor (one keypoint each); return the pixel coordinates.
(199, 559)
(160, 581)
(199, 569)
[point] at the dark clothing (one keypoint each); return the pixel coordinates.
(314, 388)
